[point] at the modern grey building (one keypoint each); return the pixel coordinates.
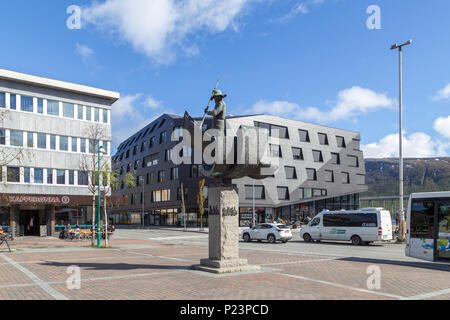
(319, 168)
(48, 122)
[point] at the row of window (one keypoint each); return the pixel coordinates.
(43, 176)
(297, 154)
(17, 138)
(140, 180)
(283, 133)
(259, 193)
(311, 174)
(156, 196)
(53, 108)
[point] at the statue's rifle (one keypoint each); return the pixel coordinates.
(209, 104)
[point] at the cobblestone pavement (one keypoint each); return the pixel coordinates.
(145, 269)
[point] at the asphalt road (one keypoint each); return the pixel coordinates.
(386, 251)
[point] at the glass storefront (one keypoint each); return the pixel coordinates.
(4, 217)
(75, 216)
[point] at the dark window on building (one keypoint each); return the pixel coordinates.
(168, 155)
(12, 101)
(13, 174)
(335, 158)
(128, 154)
(353, 161)
(16, 138)
(60, 176)
(40, 106)
(149, 177)
(134, 150)
(161, 176)
(283, 193)
(2, 100)
(194, 171)
(162, 137)
(39, 176)
(297, 153)
(345, 177)
(291, 173)
(340, 142)
(71, 177)
(317, 155)
(152, 142)
(64, 143)
(311, 174)
(356, 144)
(49, 176)
(142, 146)
(26, 175)
(2, 136)
(329, 176)
(259, 192)
(304, 135)
(26, 104)
(275, 151)
(174, 174)
(274, 130)
(323, 138)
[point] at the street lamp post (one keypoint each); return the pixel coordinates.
(101, 149)
(401, 218)
(141, 179)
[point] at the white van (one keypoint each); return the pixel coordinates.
(359, 226)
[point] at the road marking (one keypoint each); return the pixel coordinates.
(341, 285)
(94, 279)
(163, 257)
(179, 238)
(293, 262)
(427, 295)
(44, 286)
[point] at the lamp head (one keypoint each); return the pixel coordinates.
(101, 149)
(394, 46)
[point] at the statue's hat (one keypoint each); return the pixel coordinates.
(218, 93)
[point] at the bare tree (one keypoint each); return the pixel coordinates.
(90, 165)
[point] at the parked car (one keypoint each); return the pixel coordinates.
(358, 226)
(271, 232)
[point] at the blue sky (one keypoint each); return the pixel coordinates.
(311, 60)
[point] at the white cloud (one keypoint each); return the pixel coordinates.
(84, 51)
(298, 8)
(443, 93)
(159, 28)
(349, 104)
(133, 112)
(416, 145)
(442, 125)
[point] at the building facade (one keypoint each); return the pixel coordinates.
(319, 168)
(46, 126)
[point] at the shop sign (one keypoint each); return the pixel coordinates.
(39, 199)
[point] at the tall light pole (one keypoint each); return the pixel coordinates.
(254, 214)
(141, 179)
(101, 150)
(401, 218)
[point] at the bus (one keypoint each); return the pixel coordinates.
(428, 226)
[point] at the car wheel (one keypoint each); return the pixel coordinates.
(307, 237)
(356, 240)
(271, 238)
(246, 237)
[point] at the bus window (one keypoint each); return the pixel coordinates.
(315, 222)
(422, 219)
(443, 247)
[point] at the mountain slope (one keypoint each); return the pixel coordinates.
(420, 175)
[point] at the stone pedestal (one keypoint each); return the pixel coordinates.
(224, 233)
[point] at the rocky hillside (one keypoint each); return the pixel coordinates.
(420, 175)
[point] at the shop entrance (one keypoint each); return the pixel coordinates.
(29, 221)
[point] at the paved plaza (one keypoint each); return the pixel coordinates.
(155, 264)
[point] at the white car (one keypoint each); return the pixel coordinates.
(271, 232)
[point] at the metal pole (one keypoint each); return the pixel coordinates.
(401, 218)
(254, 216)
(143, 201)
(99, 203)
